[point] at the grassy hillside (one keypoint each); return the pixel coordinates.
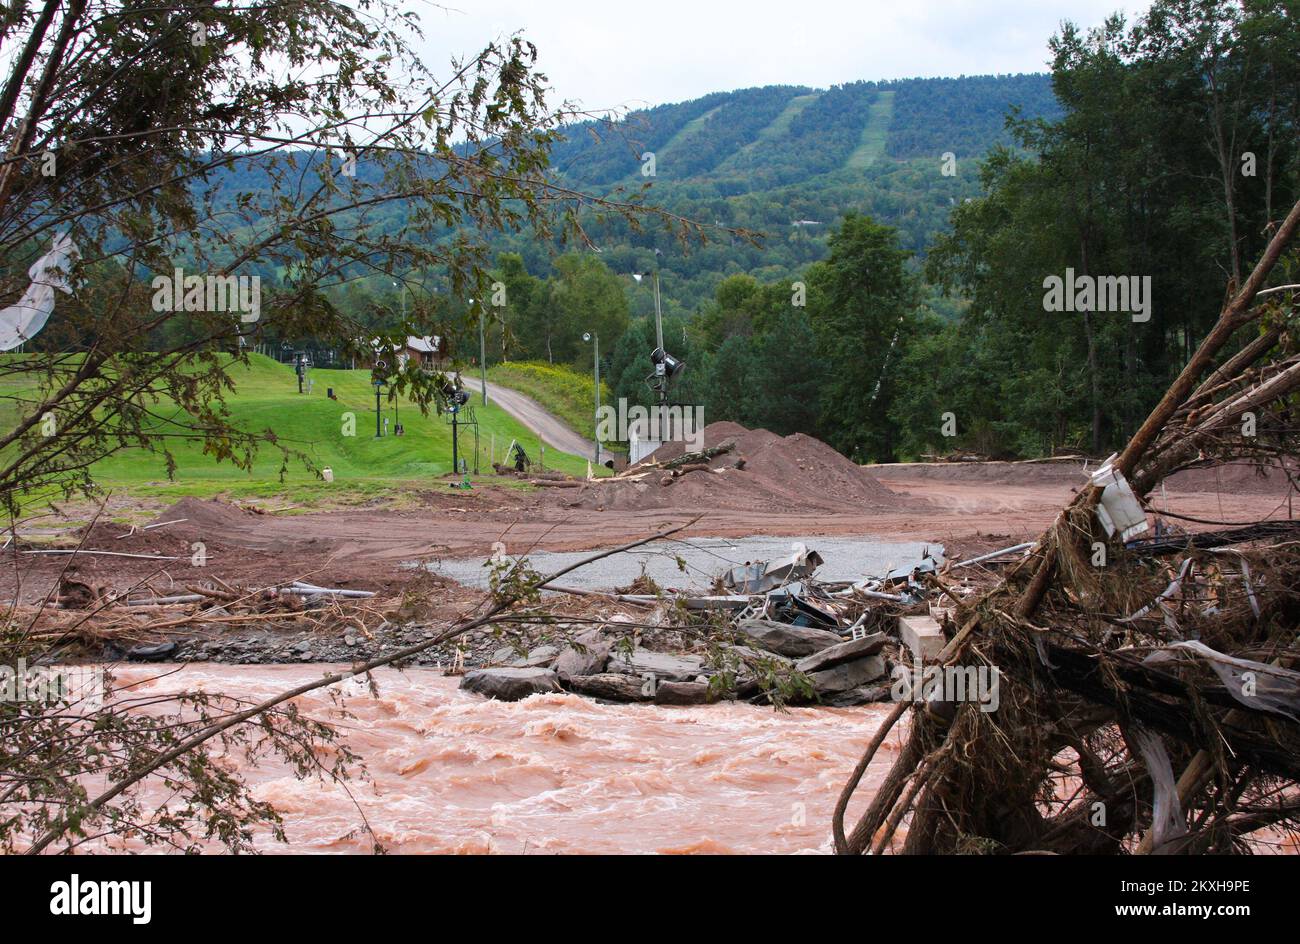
(266, 397)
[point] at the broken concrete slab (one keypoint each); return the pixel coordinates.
(510, 684)
(847, 675)
(843, 652)
(610, 686)
(923, 635)
(682, 693)
(662, 665)
(785, 639)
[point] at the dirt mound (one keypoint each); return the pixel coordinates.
(1239, 478)
(238, 526)
(1067, 471)
(786, 473)
(1236, 477)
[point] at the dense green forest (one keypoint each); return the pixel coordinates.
(892, 299)
(1173, 156)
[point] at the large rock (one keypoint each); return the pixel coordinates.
(862, 695)
(589, 661)
(842, 652)
(746, 653)
(540, 656)
(785, 639)
(848, 675)
(662, 665)
(682, 693)
(611, 686)
(510, 684)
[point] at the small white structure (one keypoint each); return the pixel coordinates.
(1119, 509)
(638, 448)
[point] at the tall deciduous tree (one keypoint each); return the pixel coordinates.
(862, 305)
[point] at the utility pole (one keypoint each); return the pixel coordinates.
(659, 315)
(659, 343)
(596, 429)
(661, 375)
(482, 353)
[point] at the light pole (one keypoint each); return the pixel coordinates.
(378, 409)
(482, 353)
(403, 298)
(659, 317)
(596, 362)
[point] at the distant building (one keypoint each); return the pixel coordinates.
(429, 352)
(807, 223)
(426, 351)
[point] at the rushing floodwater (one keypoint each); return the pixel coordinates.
(454, 772)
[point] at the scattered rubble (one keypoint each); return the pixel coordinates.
(786, 637)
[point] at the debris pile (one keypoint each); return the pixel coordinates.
(778, 634)
(148, 626)
(1148, 685)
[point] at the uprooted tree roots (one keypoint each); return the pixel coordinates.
(1147, 695)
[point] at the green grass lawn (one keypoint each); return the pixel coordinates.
(266, 397)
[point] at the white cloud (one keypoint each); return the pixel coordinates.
(605, 54)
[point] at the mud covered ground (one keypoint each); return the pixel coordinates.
(965, 506)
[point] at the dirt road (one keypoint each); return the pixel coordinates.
(966, 508)
(551, 429)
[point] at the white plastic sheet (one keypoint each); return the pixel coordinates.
(1167, 822)
(24, 319)
(1255, 684)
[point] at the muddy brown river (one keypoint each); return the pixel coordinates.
(455, 773)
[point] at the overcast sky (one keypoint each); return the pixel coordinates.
(632, 53)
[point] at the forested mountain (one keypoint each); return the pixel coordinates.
(787, 162)
(784, 162)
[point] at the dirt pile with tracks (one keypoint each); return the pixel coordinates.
(787, 473)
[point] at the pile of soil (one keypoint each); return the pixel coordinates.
(788, 473)
(1239, 478)
(1230, 478)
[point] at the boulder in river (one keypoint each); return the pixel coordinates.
(662, 665)
(610, 686)
(587, 657)
(862, 695)
(840, 653)
(682, 693)
(787, 640)
(537, 656)
(510, 684)
(847, 675)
